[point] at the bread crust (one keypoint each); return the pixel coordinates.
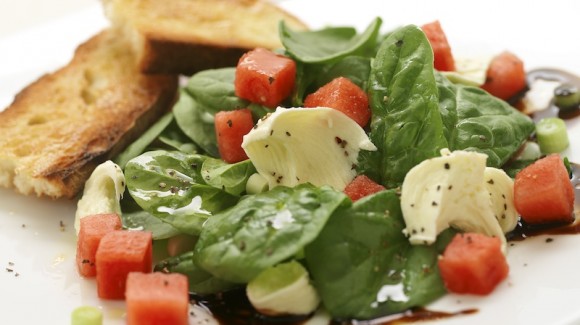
(61, 126)
(186, 36)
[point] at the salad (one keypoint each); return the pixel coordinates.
(531, 261)
(251, 199)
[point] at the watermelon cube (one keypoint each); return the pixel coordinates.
(119, 253)
(92, 229)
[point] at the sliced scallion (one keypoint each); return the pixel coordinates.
(87, 315)
(552, 135)
(567, 96)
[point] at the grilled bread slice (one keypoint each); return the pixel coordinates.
(61, 126)
(185, 36)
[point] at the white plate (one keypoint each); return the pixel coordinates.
(38, 281)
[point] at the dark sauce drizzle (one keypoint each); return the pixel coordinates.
(555, 75)
(233, 308)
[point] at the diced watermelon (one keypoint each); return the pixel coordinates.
(473, 264)
(443, 58)
(121, 252)
(157, 299)
(506, 76)
(543, 192)
(230, 127)
(92, 229)
(265, 77)
(362, 186)
(345, 96)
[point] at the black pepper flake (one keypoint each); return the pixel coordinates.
(549, 240)
(134, 177)
(438, 187)
(469, 240)
(399, 43)
(62, 226)
(353, 167)
(171, 172)
(503, 216)
(450, 187)
(490, 182)
(271, 132)
(346, 153)
(288, 133)
(338, 140)
(412, 205)
(85, 261)
(505, 207)
(414, 231)
(23, 225)
(503, 195)
(230, 123)
(447, 166)
(279, 179)
(434, 203)
(122, 183)
(266, 146)
(194, 165)
(174, 189)
(242, 246)
(422, 229)
(165, 283)
(9, 270)
(271, 80)
(273, 173)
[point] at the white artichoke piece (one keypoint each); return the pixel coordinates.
(298, 145)
(470, 71)
(284, 289)
(451, 191)
(501, 193)
(102, 193)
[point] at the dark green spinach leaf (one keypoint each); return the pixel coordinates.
(406, 125)
(196, 123)
(231, 178)
(329, 44)
(169, 185)
(263, 230)
(200, 281)
(477, 121)
(364, 267)
(214, 90)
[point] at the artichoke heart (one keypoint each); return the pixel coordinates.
(306, 145)
(102, 193)
(457, 190)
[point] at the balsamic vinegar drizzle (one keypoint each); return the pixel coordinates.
(233, 308)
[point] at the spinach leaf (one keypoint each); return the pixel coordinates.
(200, 282)
(355, 68)
(196, 123)
(263, 230)
(363, 266)
(406, 125)
(482, 122)
(143, 220)
(169, 185)
(138, 147)
(329, 44)
(232, 178)
(214, 90)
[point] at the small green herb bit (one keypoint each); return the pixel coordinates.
(552, 135)
(87, 315)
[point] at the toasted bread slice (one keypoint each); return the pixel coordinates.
(61, 126)
(185, 36)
